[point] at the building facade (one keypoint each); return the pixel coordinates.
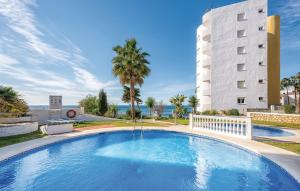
(55, 102)
(236, 68)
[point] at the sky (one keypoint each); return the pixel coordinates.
(64, 47)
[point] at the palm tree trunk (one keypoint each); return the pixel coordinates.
(137, 103)
(295, 94)
(132, 100)
(288, 97)
(299, 101)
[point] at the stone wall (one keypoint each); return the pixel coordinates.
(274, 117)
(17, 129)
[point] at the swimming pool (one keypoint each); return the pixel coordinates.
(154, 160)
(269, 131)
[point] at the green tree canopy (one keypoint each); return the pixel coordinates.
(102, 103)
(177, 101)
(11, 102)
(193, 102)
(90, 104)
(150, 102)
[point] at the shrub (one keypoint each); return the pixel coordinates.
(232, 112)
(289, 109)
(90, 104)
(210, 112)
(137, 113)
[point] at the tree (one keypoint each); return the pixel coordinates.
(285, 84)
(193, 102)
(131, 66)
(102, 103)
(298, 89)
(159, 109)
(177, 101)
(11, 102)
(113, 110)
(150, 102)
(294, 84)
(90, 104)
(137, 97)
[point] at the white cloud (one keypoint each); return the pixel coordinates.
(7, 60)
(26, 58)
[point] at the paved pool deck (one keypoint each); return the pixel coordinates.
(287, 160)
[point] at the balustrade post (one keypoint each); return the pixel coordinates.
(248, 128)
(191, 121)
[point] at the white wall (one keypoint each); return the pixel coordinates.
(17, 129)
(224, 57)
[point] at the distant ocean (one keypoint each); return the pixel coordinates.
(122, 108)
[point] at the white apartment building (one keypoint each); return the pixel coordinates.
(233, 69)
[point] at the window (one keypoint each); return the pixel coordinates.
(260, 28)
(260, 98)
(241, 17)
(241, 84)
(241, 100)
(261, 63)
(241, 67)
(260, 10)
(260, 46)
(241, 50)
(261, 81)
(241, 33)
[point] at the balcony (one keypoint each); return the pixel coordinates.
(206, 92)
(206, 61)
(205, 76)
(204, 107)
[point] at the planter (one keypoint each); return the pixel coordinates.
(57, 129)
(15, 119)
(17, 129)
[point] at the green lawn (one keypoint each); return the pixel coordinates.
(121, 123)
(4, 141)
(278, 124)
(179, 121)
(294, 147)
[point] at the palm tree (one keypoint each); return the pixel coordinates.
(113, 110)
(298, 89)
(193, 102)
(126, 95)
(294, 84)
(177, 101)
(150, 102)
(8, 94)
(285, 84)
(131, 66)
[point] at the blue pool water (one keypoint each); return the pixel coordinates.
(156, 161)
(270, 131)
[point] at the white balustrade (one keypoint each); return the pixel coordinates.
(232, 126)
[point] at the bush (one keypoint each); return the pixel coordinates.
(137, 114)
(232, 112)
(289, 109)
(210, 112)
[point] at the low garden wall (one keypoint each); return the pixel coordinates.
(15, 119)
(274, 117)
(17, 129)
(57, 128)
